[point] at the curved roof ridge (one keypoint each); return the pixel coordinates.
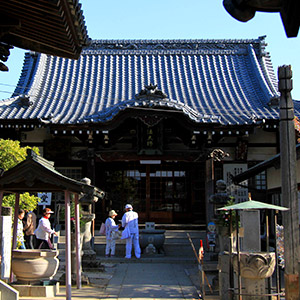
(270, 74)
(182, 41)
(107, 114)
(178, 46)
(8, 101)
(257, 69)
(27, 74)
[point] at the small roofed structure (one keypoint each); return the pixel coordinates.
(252, 205)
(36, 174)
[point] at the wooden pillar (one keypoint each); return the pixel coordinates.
(148, 196)
(77, 241)
(289, 184)
(1, 242)
(91, 174)
(91, 164)
(15, 225)
(1, 200)
(17, 206)
(209, 189)
(68, 245)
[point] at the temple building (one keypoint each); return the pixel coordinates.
(154, 123)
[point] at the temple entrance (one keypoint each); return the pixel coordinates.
(162, 192)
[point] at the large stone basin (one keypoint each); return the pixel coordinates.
(34, 265)
(257, 265)
(156, 237)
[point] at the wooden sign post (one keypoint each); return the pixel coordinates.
(289, 188)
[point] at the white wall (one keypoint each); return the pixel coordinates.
(274, 177)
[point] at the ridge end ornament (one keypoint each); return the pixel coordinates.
(150, 92)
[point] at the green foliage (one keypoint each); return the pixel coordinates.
(27, 201)
(11, 154)
(224, 216)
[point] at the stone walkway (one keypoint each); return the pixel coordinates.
(138, 281)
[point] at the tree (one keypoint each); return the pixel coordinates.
(11, 154)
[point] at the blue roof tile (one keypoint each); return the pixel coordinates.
(211, 81)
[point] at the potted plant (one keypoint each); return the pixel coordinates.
(224, 218)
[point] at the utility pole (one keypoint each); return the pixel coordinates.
(289, 189)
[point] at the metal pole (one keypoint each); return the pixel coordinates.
(289, 183)
(68, 245)
(77, 241)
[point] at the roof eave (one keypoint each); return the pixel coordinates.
(264, 165)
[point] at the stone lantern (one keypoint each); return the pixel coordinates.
(219, 199)
(86, 201)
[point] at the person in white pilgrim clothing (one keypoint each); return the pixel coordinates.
(43, 232)
(110, 227)
(130, 223)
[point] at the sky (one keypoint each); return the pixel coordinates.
(174, 19)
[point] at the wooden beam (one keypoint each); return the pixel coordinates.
(290, 17)
(77, 241)
(68, 245)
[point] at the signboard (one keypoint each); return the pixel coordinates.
(45, 199)
(239, 193)
(5, 251)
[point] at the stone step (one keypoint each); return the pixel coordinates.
(178, 235)
(167, 226)
(176, 244)
(169, 234)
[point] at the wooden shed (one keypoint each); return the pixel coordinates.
(36, 174)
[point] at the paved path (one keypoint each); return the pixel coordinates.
(139, 281)
(150, 281)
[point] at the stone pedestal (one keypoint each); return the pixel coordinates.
(254, 283)
(37, 290)
(254, 269)
(224, 275)
(88, 253)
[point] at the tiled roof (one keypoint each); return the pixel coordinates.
(211, 81)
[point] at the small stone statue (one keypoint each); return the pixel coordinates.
(221, 197)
